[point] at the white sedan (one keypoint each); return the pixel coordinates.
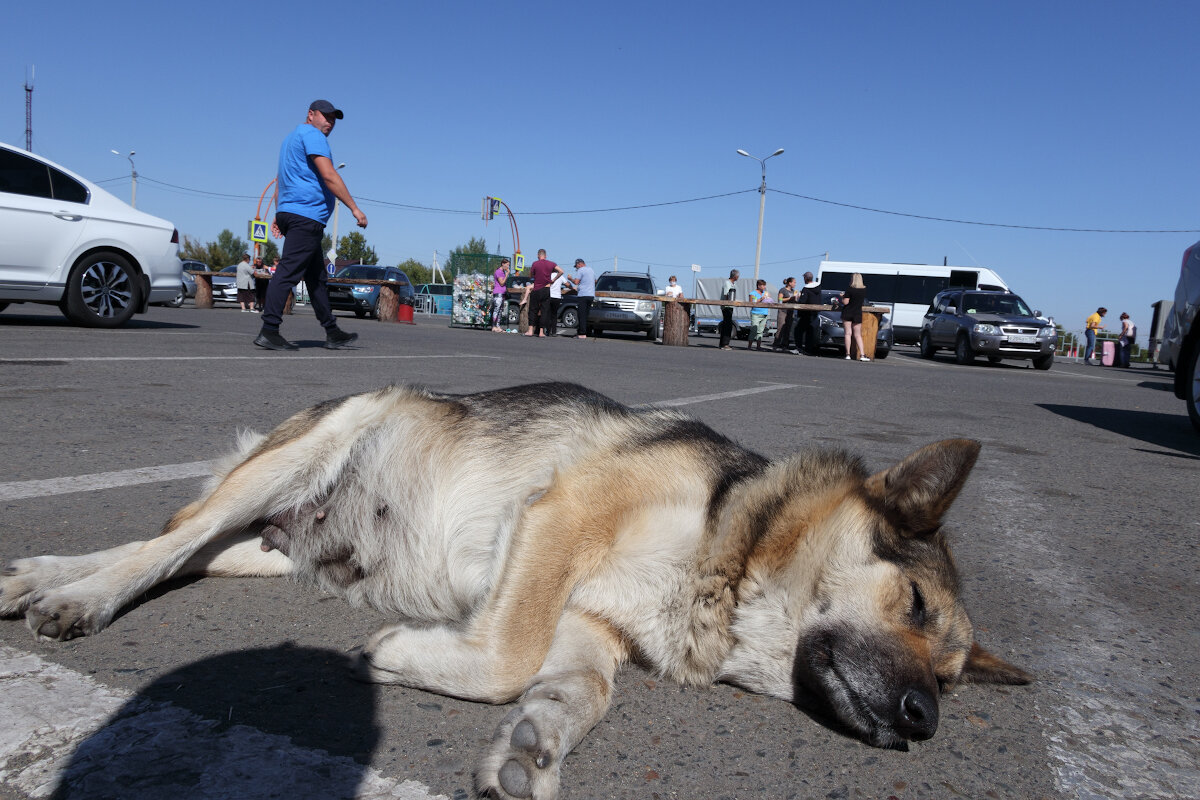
(67, 242)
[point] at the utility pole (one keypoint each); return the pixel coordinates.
(29, 110)
(762, 202)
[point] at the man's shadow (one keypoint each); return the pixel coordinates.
(285, 721)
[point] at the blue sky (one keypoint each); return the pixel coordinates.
(1060, 115)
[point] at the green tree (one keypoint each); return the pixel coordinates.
(416, 271)
(269, 251)
(470, 257)
(353, 247)
(226, 250)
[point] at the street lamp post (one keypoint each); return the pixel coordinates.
(132, 175)
(333, 247)
(762, 203)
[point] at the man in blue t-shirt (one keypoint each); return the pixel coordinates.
(308, 187)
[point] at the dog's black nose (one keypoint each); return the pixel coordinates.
(918, 715)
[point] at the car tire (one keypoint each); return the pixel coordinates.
(993, 359)
(963, 353)
(570, 319)
(881, 353)
(927, 348)
(102, 291)
(1043, 362)
(360, 313)
(513, 314)
(1191, 388)
(177, 301)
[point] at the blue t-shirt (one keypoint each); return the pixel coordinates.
(301, 190)
(758, 297)
(587, 282)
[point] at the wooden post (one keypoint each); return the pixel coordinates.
(870, 331)
(675, 324)
(204, 292)
(388, 307)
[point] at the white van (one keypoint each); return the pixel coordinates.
(907, 288)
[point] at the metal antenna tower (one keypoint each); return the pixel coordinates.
(29, 110)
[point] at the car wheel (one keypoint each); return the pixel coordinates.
(881, 353)
(570, 319)
(177, 301)
(927, 348)
(1192, 389)
(360, 313)
(513, 314)
(993, 359)
(963, 353)
(102, 291)
(1043, 362)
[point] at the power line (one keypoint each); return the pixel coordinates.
(971, 222)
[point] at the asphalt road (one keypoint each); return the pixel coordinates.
(1076, 537)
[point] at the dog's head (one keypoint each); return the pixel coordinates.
(850, 604)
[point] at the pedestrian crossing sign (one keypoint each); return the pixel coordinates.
(258, 231)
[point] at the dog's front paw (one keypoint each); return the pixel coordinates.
(56, 615)
(22, 579)
(525, 755)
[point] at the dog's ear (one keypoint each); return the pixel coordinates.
(983, 667)
(921, 487)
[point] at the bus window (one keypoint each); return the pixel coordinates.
(963, 279)
(881, 288)
(837, 281)
(919, 290)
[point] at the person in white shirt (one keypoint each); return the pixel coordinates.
(673, 289)
(556, 290)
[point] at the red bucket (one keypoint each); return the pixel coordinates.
(405, 314)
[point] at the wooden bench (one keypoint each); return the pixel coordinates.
(387, 310)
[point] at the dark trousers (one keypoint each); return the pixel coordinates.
(555, 302)
(301, 260)
(784, 335)
(805, 338)
(539, 310)
(584, 309)
(260, 292)
(726, 326)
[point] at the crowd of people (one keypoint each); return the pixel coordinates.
(1095, 324)
(542, 296)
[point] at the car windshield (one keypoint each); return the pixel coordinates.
(624, 283)
(230, 270)
(361, 272)
(1003, 304)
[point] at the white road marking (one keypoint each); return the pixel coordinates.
(60, 724)
(21, 490)
(341, 356)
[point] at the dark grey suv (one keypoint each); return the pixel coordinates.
(984, 323)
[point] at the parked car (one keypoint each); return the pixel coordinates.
(512, 312)
(829, 333)
(187, 286)
(364, 300)
(1183, 339)
(69, 243)
(224, 284)
(987, 323)
(617, 314)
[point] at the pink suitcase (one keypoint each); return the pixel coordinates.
(1109, 353)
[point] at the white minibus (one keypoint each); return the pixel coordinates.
(907, 288)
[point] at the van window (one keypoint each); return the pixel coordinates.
(919, 290)
(839, 281)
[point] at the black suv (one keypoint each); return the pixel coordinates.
(615, 313)
(987, 323)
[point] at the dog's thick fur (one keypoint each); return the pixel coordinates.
(530, 540)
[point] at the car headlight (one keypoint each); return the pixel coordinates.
(362, 289)
(827, 322)
(1046, 332)
(988, 328)
(645, 305)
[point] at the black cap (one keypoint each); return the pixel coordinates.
(579, 261)
(326, 108)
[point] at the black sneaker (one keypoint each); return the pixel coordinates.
(336, 339)
(271, 340)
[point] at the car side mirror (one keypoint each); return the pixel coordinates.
(952, 311)
(1037, 313)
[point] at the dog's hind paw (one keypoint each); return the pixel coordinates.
(523, 761)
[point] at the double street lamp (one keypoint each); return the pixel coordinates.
(762, 202)
(132, 175)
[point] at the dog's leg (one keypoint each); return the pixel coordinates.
(567, 697)
(493, 657)
(239, 557)
(24, 578)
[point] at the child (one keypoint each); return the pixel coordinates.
(758, 315)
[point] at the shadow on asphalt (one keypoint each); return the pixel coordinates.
(152, 748)
(1171, 431)
(11, 318)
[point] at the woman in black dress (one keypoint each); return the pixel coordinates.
(853, 300)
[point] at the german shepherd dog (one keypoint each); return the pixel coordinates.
(530, 540)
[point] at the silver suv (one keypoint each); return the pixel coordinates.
(1183, 340)
(618, 313)
(998, 325)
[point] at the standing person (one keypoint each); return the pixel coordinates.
(810, 295)
(758, 314)
(556, 290)
(853, 300)
(784, 318)
(1125, 342)
(673, 289)
(309, 187)
(585, 290)
(260, 285)
(729, 292)
(499, 293)
(245, 283)
(1093, 325)
(544, 272)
